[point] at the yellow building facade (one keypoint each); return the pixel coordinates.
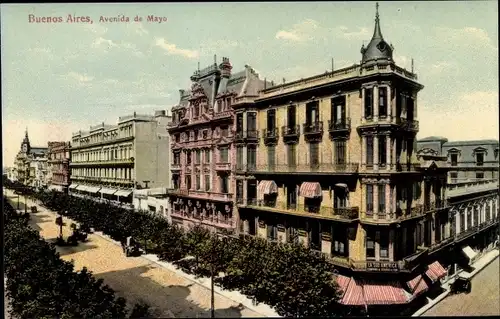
(334, 164)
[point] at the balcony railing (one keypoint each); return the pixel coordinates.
(103, 162)
(175, 166)
(248, 135)
(103, 179)
(407, 125)
(436, 205)
(270, 135)
(211, 220)
(314, 128)
(345, 213)
(222, 115)
(407, 167)
(290, 133)
(307, 168)
(223, 166)
(199, 194)
(339, 126)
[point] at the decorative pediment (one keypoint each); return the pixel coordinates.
(427, 151)
(454, 150)
(480, 149)
(224, 140)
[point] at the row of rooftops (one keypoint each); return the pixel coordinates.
(122, 120)
(445, 141)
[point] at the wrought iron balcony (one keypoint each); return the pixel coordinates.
(103, 162)
(326, 168)
(313, 129)
(436, 205)
(342, 214)
(270, 136)
(342, 126)
(223, 166)
(407, 125)
(199, 194)
(217, 221)
(407, 167)
(290, 133)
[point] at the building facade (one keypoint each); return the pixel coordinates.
(335, 167)
(109, 161)
(203, 135)
(468, 160)
(31, 164)
(58, 166)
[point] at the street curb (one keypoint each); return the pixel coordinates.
(436, 301)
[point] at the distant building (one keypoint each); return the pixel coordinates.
(12, 174)
(58, 166)
(468, 160)
(28, 173)
(110, 161)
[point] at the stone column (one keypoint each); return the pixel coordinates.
(394, 198)
(244, 121)
(375, 152)
(388, 142)
(363, 92)
(388, 203)
(389, 103)
(363, 151)
(375, 201)
(375, 103)
(245, 188)
(466, 210)
(415, 107)
(377, 245)
(391, 245)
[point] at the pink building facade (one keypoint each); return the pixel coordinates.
(202, 141)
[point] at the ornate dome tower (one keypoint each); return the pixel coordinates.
(378, 50)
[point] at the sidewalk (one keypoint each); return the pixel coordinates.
(479, 265)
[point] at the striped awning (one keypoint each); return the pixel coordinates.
(73, 186)
(93, 189)
(343, 283)
(389, 293)
(123, 193)
(417, 285)
(108, 191)
(435, 271)
(266, 188)
(310, 189)
(353, 295)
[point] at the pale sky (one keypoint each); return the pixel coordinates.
(58, 78)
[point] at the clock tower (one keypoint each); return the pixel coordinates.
(25, 145)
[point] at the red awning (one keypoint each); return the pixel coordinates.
(343, 283)
(435, 271)
(266, 188)
(353, 295)
(417, 285)
(310, 190)
(390, 293)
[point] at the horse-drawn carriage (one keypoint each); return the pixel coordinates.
(461, 284)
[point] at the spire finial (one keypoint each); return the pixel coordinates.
(412, 65)
(376, 13)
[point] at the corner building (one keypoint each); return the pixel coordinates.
(335, 168)
(203, 135)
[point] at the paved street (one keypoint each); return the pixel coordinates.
(137, 278)
(482, 301)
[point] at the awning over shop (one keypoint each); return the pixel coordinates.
(417, 286)
(469, 253)
(266, 188)
(353, 295)
(108, 191)
(435, 271)
(390, 293)
(72, 186)
(93, 189)
(82, 188)
(343, 283)
(310, 190)
(123, 193)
